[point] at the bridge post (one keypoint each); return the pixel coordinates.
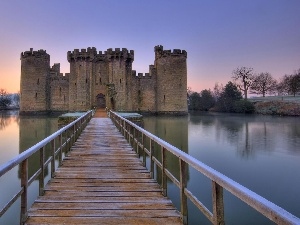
(137, 143)
(183, 197)
(42, 174)
(151, 160)
(164, 176)
(218, 205)
(60, 149)
(74, 134)
(143, 152)
(24, 185)
(53, 157)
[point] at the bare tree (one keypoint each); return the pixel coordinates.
(189, 91)
(291, 83)
(243, 77)
(263, 83)
(4, 99)
(281, 87)
(218, 89)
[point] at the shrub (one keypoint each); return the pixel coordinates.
(244, 106)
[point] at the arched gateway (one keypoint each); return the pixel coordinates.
(100, 99)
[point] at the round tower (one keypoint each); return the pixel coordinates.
(34, 86)
(171, 70)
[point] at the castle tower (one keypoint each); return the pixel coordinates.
(119, 75)
(171, 68)
(100, 80)
(80, 79)
(34, 86)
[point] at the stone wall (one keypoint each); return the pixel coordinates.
(59, 92)
(144, 91)
(99, 79)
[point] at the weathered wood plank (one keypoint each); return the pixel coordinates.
(102, 220)
(105, 205)
(102, 181)
(108, 180)
(103, 193)
(99, 199)
(145, 213)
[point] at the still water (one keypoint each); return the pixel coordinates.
(260, 152)
(18, 133)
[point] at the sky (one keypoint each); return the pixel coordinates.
(218, 35)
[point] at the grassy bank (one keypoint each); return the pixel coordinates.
(277, 105)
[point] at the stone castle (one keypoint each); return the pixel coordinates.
(104, 80)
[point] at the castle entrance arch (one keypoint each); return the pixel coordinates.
(100, 98)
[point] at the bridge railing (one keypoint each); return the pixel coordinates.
(59, 142)
(138, 138)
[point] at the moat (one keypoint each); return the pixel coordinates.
(260, 152)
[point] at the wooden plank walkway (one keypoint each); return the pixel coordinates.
(102, 181)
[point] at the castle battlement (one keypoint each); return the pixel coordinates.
(160, 52)
(38, 54)
(118, 53)
(140, 75)
(88, 53)
(91, 54)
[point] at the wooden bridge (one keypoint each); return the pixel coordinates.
(102, 180)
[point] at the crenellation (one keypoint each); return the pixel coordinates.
(142, 75)
(159, 52)
(38, 54)
(55, 68)
(104, 79)
(91, 54)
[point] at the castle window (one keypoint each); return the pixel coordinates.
(64, 98)
(86, 80)
(75, 84)
(35, 95)
(38, 81)
(164, 97)
(60, 91)
(100, 81)
(120, 81)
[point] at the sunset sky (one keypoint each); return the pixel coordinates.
(218, 35)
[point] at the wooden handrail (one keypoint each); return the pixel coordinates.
(219, 181)
(70, 132)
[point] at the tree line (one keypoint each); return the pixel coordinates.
(230, 97)
(9, 100)
(264, 83)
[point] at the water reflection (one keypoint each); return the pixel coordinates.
(173, 130)
(17, 134)
(260, 152)
(7, 117)
(33, 129)
(251, 133)
(257, 151)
